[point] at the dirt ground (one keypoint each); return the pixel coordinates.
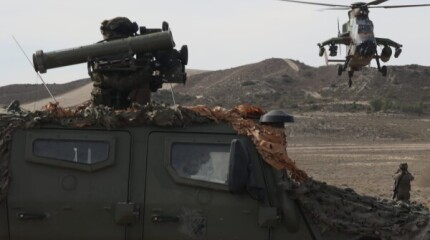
(362, 151)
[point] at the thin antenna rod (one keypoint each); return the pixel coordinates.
(173, 95)
(31, 64)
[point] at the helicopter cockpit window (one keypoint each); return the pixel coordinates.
(364, 25)
(201, 161)
(76, 151)
(365, 28)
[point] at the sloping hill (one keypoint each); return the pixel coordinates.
(272, 83)
(71, 98)
(279, 83)
(35, 96)
(27, 93)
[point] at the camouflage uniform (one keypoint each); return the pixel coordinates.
(119, 88)
(118, 80)
(402, 183)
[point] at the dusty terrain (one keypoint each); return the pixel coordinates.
(362, 151)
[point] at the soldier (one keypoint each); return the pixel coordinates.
(402, 183)
(120, 79)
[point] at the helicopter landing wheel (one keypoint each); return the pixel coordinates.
(339, 70)
(384, 71)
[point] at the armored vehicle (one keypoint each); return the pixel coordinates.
(137, 182)
(171, 172)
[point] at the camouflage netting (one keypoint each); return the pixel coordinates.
(332, 208)
(270, 141)
(345, 211)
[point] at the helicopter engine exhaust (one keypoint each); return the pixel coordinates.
(367, 48)
(386, 54)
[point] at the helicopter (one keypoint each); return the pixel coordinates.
(358, 37)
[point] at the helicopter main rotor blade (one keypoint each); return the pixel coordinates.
(319, 4)
(401, 6)
(335, 8)
(376, 2)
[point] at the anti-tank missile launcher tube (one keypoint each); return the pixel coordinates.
(141, 43)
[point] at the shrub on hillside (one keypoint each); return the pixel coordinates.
(389, 105)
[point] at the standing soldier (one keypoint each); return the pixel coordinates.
(119, 79)
(402, 183)
(129, 77)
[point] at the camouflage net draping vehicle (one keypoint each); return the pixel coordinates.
(171, 172)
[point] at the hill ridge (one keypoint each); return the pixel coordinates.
(281, 83)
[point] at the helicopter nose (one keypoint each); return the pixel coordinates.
(367, 48)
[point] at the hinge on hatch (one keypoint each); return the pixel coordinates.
(126, 213)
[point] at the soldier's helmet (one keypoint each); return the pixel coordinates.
(403, 166)
(119, 27)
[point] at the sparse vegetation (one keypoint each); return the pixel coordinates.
(248, 83)
(375, 105)
(390, 105)
(353, 107)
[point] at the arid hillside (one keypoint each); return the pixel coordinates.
(287, 84)
(34, 96)
(27, 93)
(277, 83)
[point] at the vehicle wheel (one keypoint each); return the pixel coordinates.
(339, 70)
(384, 71)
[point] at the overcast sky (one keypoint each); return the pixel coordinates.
(220, 34)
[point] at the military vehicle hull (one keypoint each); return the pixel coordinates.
(157, 172)
(138, 193)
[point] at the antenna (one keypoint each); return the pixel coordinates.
(173, 95)
(31, 64)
